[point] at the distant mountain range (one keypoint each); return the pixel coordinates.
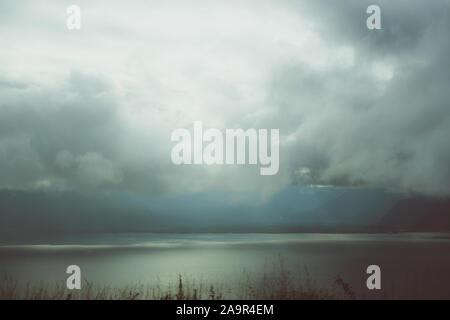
(380, 211)
(356, 207)
(418, 214)
(363, 210)
(295, 209)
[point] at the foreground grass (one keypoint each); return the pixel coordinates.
(278, 284)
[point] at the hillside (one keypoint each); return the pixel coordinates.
(418, 214)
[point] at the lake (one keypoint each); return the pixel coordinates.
(413, 265)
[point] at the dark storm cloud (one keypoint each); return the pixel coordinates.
(385, 120)
(95, 109)
(59, 136)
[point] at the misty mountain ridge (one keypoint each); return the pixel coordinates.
(418, 214)
(295, 209)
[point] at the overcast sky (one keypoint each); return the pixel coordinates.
(93, 109)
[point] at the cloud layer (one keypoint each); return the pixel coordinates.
(93, 109)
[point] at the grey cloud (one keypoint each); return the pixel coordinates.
(371, 132)
(38, 123)
(12, 84)
(354, 107)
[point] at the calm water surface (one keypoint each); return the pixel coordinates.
(414, 265)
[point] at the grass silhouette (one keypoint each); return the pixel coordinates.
(278, 283)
